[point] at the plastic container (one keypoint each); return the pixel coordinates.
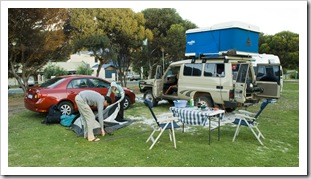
(191, 102)
(180, 103)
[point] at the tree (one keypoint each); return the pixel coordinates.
(87, 33)
(35, 37)
(126, 32)
(284, 44)
(53, 70)
(164, 23)
(110, 33)
(84, 70)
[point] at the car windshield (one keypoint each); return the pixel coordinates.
(52, 82)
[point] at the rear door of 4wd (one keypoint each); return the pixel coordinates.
(241, 83)
(268, 77)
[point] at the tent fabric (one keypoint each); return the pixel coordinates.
(110, 123)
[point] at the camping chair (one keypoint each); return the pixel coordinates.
(246, 118)
(162, 124)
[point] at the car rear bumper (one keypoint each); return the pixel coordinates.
(35, 106)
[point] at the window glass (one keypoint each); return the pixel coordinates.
(209, 69)
(242, 73)
(235, 70)
(99, 83)
(52, 82)
(193, 69)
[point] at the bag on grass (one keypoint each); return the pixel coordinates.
(53, 116)
(67, 120)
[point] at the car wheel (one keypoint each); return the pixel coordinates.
(149, 96)
(126, 103)
(205, 100)
(66, 107)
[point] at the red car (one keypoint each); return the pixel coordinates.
(62, 91)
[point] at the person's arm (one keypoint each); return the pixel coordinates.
(122, 93)
(100, 107)
(109, 91)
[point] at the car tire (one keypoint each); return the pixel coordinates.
(149, 96)
(206, 100)
(66, 107)
(127, 103)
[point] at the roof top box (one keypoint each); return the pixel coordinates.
(222, 37)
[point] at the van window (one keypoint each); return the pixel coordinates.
(214, 70)
(193, 69)
(209, 69)
(235, 70)
(242, 73)
(268, 73)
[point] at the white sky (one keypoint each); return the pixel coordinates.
(270, 17)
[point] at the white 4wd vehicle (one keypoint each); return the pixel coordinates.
(225, 81)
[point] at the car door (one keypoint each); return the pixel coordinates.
(99, 85)
(157, 89)
(268, 77)
(241, 85)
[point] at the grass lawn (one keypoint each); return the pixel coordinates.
(32, 144)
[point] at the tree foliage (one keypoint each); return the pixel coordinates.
(164, 23)
(54, 70)
(35, 37)
(84, 70)
(284, 44)
(110, 33)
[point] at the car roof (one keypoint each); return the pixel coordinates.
(79, 76)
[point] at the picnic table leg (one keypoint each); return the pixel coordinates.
(183, 127)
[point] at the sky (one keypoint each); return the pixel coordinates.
(270, 17)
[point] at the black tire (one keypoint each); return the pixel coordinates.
(204, 100)
(170, 101)
(66, 107)
(127, 103)
(149, 96)
(230, 109)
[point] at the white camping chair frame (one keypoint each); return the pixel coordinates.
(245, 118)
(162, 125)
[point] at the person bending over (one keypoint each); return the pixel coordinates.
(84, 100)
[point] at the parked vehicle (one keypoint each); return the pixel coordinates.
(132, 76)
(62, 91)
(31, 81)
(226, 81)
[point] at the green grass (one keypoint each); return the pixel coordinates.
(32, 144)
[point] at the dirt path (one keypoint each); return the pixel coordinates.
(16, 104)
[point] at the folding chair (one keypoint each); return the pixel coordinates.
(246, 118)
(163, 124)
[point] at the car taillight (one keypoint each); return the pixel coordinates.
(39, 95)
(231, 94)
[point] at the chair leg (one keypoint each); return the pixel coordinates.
(170, 134)
(151, 136)
(155, 141)
(256, 135)
(173, 132)
(237, 130)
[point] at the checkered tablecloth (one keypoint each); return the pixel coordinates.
(194, 116)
